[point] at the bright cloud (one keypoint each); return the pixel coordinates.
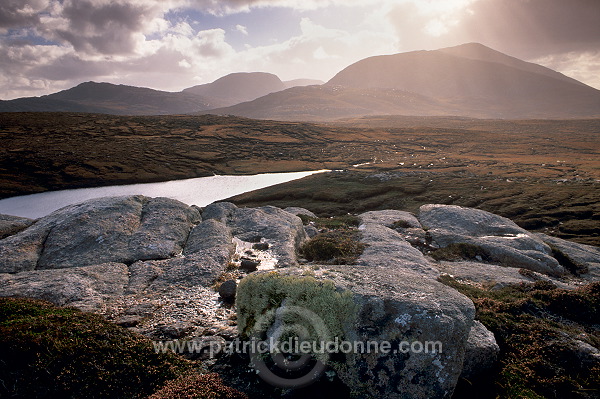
(242, 29)
(583, 66)
(50, 45)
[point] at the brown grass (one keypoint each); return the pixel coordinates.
(543, 174)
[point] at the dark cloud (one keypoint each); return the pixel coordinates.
(85, 15)
(534, 28)
(104, 28)
(19, 13)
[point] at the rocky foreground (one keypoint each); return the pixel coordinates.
(155, 265)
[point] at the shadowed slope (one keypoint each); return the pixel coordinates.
(111, 99)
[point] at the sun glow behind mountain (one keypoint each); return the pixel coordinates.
(49, 45)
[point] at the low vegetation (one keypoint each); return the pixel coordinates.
(545, 335)
(335, 222)
(333, 308)
(401, 224)
(460, 251)
(338, 241)
(523, 170)
(197, 386)
(576, 268)
(340, 247)
(52, 352)
(535, 204)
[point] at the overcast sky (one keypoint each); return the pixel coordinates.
(50, 45)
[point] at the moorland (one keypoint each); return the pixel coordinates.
(543, 174)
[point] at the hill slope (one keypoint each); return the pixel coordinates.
(325, 102)
(469, 80)
(238, 87)
(477, 51)
(110, 99)
(302, 82)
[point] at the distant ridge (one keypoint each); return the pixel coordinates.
(130, 100)
(238, 87)
(111, 99)
(302, 82)
(467, 80)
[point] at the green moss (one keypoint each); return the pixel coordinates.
(337, 246)
(49, 352)
(259, 294)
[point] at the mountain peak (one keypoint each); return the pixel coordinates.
(480, 52)
(473, 46)
(239, 87)
(471, 80)
(477, 51)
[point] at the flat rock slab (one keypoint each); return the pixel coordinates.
(207, 252)
(388, 249)
(391, 218)
(585, 258)
(496, 277)
(467, 221)
(500, 238)
(10, 225)
(86, 288)
(294, 210)
(164, 228)
(110, 229)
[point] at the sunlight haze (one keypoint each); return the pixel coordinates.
(50, 45)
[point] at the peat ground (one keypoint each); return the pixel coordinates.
(544, 174)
